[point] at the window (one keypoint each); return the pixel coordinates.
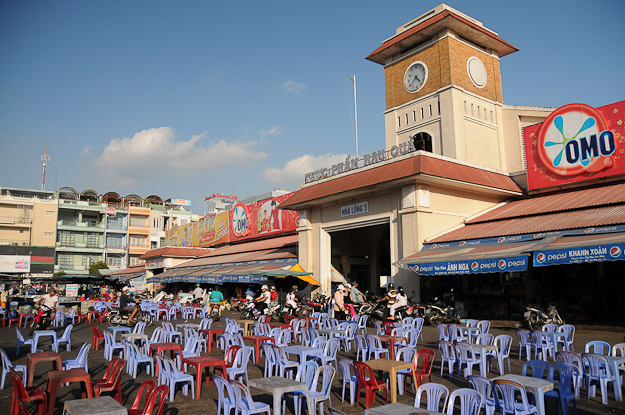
(135, 261)
(92, 240)
(430, 110)
(472, 109)
(478, 112)
(465, 107)
(90, 259)
(138, 241)
(139, 221)
(114, 261)
(421, 113)
(398, 122)
(115, 222)
(414, 116)
(66, 238)
(406, 115)
(439, 107)
(153, 244)
(491, 117)
(114, 242)
(422, 141)
(66, 260)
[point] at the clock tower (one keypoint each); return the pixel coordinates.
(443, 87)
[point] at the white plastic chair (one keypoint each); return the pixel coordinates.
(470, 401)
(81, 361)
(66, 338)
(434, 392)
(7, 365)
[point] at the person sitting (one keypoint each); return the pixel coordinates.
(263, 299)
(401, 300)
(124, 304)
(291, 299)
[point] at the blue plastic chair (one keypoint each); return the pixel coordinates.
(465, 356)
(405, 354)
(66, 338)
(81, 361)
(174, 376)
(362, 350)
(484, 326)
(506, 394)
(597, 370)
(347, 367)
(542, 345)
(574, 359)
(569, 332)
(539, 368)
(21, 340)
(418, 325)
(270, 359)
(362, 324)
(471, 323)
(443, 333)
(503, 342)
(136, 358)
(245, 405)
(565, 381)
(470, 401)
(379, 328)
(550, 328)
(455, 334)
(326, 374)
(413, 337)
(306, 374)
(598, 347)
(485, 387)
(525, 343)
(448, 354)
(330, 348)
(239, 365)
(434, 393)
(348, 336)
(375, 347)
(7, 366)
(110, 346)
(223, 387)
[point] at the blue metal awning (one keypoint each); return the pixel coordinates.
(584, 248)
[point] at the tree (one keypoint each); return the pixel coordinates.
(94, 268)
(59, 274)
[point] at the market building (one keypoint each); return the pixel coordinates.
(453, 153)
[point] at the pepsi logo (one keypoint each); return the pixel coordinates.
(589, 230)
(615, 251)
(502, 239)
(434, 246)
(462, 243)
(501, 264)
(475, 266)
(538, 235)
(540, 258)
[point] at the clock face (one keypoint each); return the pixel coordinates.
(415, 76)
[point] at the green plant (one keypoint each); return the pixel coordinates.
(94, 268)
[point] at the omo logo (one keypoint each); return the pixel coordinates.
(240, 220)
(575, 139)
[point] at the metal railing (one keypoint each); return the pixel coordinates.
(11, 220)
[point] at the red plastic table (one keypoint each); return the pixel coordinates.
(58, 377)
(212, 337)
(163, 347)
(201, 363)
(33, 358)
(391, 340)
(257, 341)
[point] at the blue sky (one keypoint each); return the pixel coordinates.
(185, 99)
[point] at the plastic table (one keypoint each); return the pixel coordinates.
(391, 341)
(277, 386)
(257, 341)
(41, 333)
(118, 329)
(398, 409)
(163, 347)
(59, 377)
(201, 363)
(302, 352)
(212, 337)
(481, 350)
(246, 325)
(102, 405)
(538, 386)
(471, 332)
(33, 358)
(391, 366)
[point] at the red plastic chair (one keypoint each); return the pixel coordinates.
(371, 384)
(159, 394)
(427, 360)
(22, 394)
(97, 336)
(12, 319)
(388, 327)
(115, 384)
(109, 370)
(102, 315)
(148, 386)
(22, 409)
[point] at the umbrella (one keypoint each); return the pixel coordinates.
(336, 276)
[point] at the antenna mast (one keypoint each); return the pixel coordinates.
(353, 79)
(45, 158)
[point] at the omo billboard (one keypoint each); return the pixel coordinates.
(576, 143)
(261, 218)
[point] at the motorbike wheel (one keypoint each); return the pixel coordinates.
(147, 319)
(241, 306)
(434, 318)
(246, 315)
(114, 321)
(532, 322)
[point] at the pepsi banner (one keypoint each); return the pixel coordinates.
(596, 253)
(473, 266)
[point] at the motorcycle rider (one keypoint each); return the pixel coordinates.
(198, 293)
(291, 299)
(273, 294)
(401, 300)
(215, 298)
(357, 296)
(50, 300)
(389, 297)
(263, 299)
(124, 301)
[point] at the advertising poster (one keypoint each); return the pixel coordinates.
(261, 218)
(14, 263)
(71, 290)
(213, 229)
(575, 143)
(172, 236)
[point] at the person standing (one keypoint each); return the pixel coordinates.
(339, 299)
(198, 293)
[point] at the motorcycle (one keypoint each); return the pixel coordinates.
(373, 309)
(535, 318)
(442, 311)
(409, 310)
(41, 320)
(117, 317)
(213, 312)
(251, 312)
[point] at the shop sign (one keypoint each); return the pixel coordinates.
(355, 209)
(14, 263)
(355, 163)
(575, 143)
(213, 229)
(261, 218)
(71, 290)
(608, 252)
(476, 266)
(155, 263)
(180, 202)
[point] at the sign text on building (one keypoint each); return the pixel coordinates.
(355, 209)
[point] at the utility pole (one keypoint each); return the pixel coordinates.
(353, 79)
(45, 158)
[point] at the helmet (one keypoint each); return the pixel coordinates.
(197, 285)
(400, 289)
(264, 287)
(391, 286)
(273, 287)
(341, 287)
(295, 287)
(125, 289)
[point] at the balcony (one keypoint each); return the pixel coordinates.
(71, 269)
(116, 248)
(16, 221)
(82, 205)
(84, 248)
(116, 227)
(84, 226)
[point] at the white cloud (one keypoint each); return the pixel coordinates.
(156, 152)
(293, 171)
(273, 131)
(85, 151)
(292, 87)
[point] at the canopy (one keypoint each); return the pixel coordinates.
(336, 276)
(295, 271)
(582, 248)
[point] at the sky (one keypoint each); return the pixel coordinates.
(187, 99)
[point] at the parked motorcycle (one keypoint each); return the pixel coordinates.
(535, 318)
(41, 320)
(442, 311)
(118, 317)
(373, 309)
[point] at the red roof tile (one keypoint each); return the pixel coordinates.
(412, 166)
(557, 202)
(130, 270)
(175, 252)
